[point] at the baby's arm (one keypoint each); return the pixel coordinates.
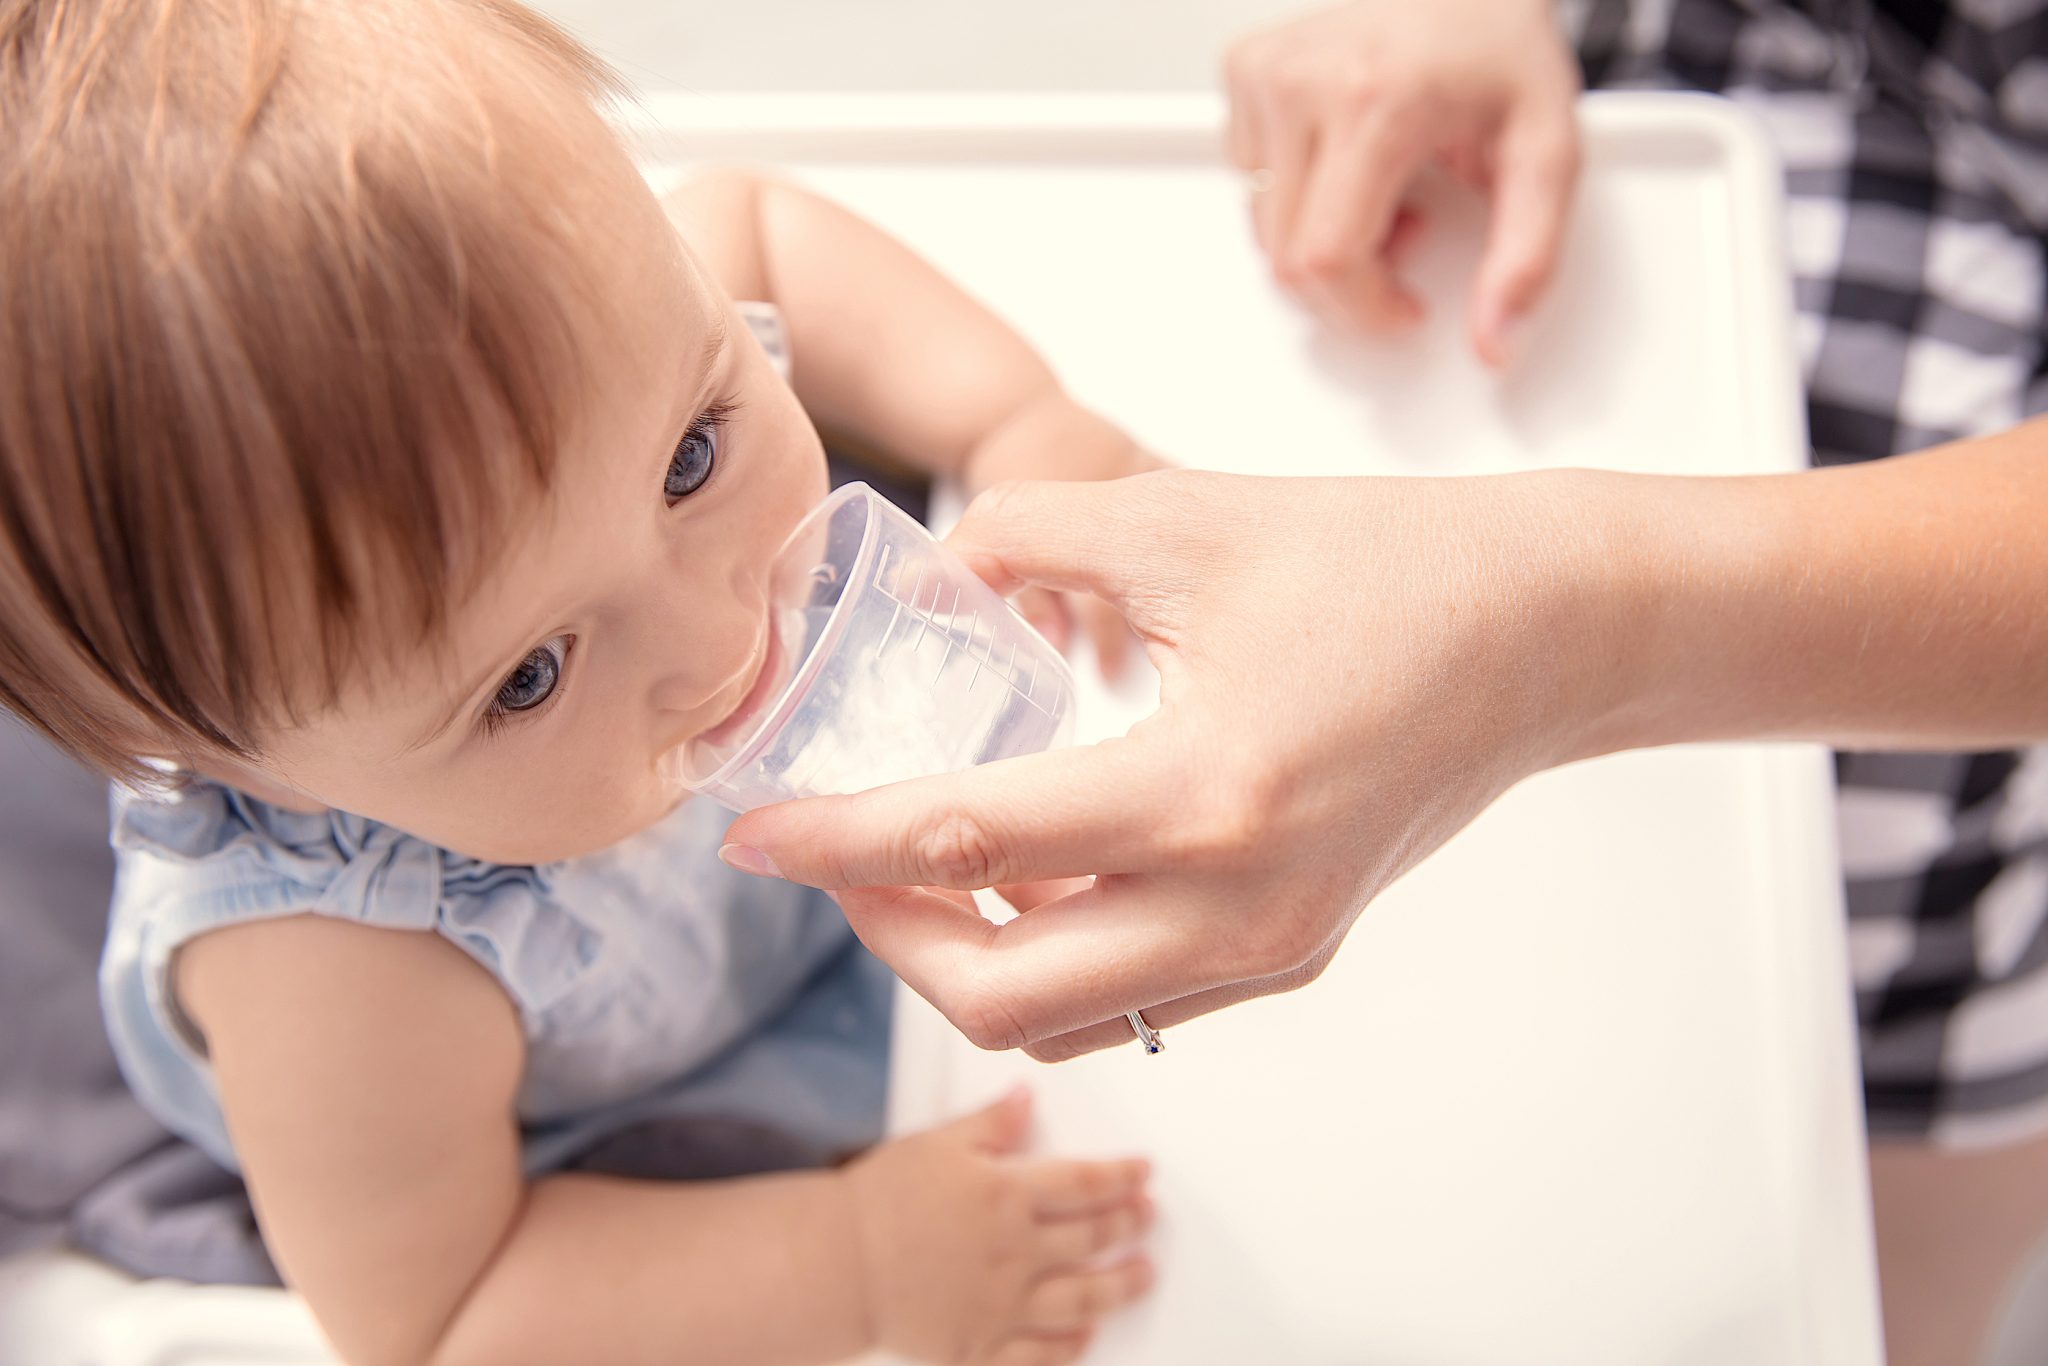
(368, 1077)
(894, 360)
(890, 354)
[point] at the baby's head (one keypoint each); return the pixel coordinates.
(368, 438)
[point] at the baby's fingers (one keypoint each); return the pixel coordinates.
(1071, 1242)
(1080, 1299)
(1063, 1190)
(1105, 628)
(1047, 614)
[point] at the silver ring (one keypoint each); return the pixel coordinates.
(1154, 1041)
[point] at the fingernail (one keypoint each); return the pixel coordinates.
(740, 857)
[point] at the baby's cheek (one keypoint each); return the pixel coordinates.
(575, 807)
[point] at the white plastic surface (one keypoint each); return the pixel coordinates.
(63, 1309)
(1581, 1088)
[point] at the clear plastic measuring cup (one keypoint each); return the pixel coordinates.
(888, 659)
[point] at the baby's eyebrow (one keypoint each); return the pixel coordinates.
(697, 387)
(715, 343)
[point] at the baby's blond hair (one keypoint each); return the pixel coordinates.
(286, 302)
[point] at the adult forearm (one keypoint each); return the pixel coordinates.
(1900, 604)
(764, 1271)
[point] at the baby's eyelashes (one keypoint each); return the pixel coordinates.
(696, 455)
(532, 683)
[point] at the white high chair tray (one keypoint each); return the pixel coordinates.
(1582, 1088)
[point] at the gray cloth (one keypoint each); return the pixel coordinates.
(80, 1161)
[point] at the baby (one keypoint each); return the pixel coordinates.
(387, 487)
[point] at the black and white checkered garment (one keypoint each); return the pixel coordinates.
(1915, 141)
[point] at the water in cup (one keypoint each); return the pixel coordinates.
(889, 659)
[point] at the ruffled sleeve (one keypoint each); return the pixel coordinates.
(205, 857)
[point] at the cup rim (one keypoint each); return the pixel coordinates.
(776, 713)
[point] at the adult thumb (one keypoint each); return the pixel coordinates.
(1115, 538)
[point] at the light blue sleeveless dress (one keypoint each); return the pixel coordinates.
(652, 981)
(657, 988)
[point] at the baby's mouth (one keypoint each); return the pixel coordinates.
(760, 691)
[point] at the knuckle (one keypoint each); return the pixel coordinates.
(1306, 972)
(960, 852)
(1227, 827)
(1165, 492)
(1052, 1051)
(999, 500)
(1292, 76)
(1275, 945)
(1305, 76)
(1359, 89)
(1266, 792)
(986, 1021)
(1267, 954)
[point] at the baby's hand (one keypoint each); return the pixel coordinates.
(1057, 438)
(976, 1255)
(1057, 616)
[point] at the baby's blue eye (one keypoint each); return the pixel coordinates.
(533, 682)
(694, 457)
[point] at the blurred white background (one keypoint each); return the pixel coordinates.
(769, 45)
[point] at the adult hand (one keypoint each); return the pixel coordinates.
(1338, 112)
(1350, 670)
